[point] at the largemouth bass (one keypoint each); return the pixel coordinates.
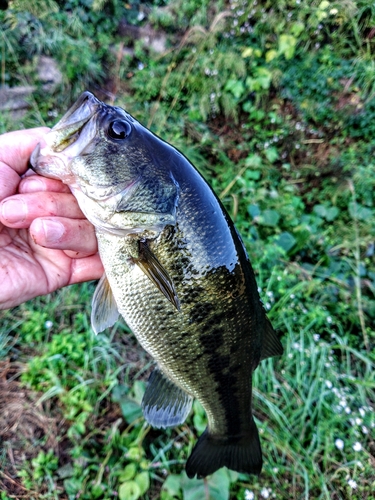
(175, 269)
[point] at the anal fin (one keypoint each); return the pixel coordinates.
(164, 404)
(104, 312)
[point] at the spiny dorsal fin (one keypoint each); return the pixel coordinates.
(104, 311)
(271, 343)
(164, 404)
(157, 274)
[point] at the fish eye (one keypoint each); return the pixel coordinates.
(119, 129)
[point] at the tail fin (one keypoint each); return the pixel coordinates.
(242, 454)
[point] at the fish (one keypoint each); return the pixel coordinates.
(176, 270)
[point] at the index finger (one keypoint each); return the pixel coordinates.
(16, 147)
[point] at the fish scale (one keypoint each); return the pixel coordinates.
(175, 269)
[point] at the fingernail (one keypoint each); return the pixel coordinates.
(14, 211)
(53, 230)
(33, 185)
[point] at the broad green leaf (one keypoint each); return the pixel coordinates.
(253, 161)
(269, 218)
(271, 54)
(138, 389)
(332, 213)
(143, 481)
(253, 210)
(129, 491)
(286, 241)
(130, 409)
(217, 486)
(287, 45)
(129, 472)
(271, 154)
(97, 491)
(236, 87)
(172, 484)
(320, 210)
(247, 52)
(359, 212)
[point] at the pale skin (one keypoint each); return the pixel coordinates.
(45, 240)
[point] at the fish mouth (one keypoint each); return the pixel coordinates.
(68, 129)
(66, 136)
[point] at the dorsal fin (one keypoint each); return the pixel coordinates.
(164, 404)
(104, 311)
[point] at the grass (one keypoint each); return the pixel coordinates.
(275, 106)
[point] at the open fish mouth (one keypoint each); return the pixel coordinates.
(75, 134)
(68, 129)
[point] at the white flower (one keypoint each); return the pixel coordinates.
(329, 384)
(357, 446)
(339, 443)
(249, 495)
(264, 493)
(48, 324)
(352, 484)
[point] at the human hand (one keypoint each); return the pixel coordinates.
(45, 240)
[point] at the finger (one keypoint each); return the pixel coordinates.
(16, 147)
(9, 180)
(77, 235)
(90, 268)
(37, 184)
(19, 211)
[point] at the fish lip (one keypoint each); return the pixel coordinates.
(67, 130)
(65, 133)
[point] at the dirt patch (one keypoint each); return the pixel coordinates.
(26, 428)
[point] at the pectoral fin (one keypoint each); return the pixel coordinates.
(104, 311)
(271, 343)
(164, 404)
(157, 274)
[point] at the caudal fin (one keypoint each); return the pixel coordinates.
(242, 454)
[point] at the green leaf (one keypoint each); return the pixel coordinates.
(271, 154)
(236, 87)
(359, 212)
(253, 210)
(173, 485)
(143, 481)
(97, 491)
(286, 241)
(217, 486)
(287, 45)
(129, 491)
(332, 213)
(139, 388)
(199, 418)
(269, 218)
(320, 210)
(254, 161)
(129, 472)
(135, 453)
